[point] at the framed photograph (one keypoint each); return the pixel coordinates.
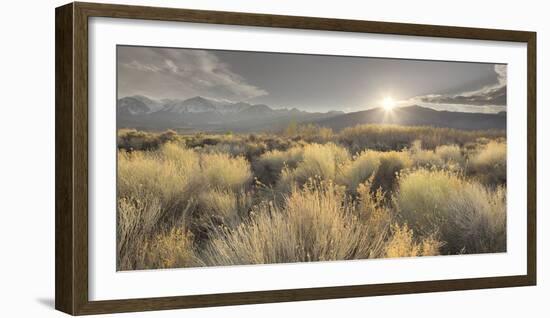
(219, 158)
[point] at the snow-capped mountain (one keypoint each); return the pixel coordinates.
(152, 104)
(205, 113)
(200, 104)
(192, 105)
(132, 106)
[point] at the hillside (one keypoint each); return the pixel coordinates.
(203, 114)
(417, 116)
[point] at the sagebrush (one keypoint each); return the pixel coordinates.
(308, 194)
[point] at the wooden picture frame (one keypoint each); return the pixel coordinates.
(71, 90)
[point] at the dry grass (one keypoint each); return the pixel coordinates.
(269, 166)
(223, 207)
(192, 200)
(450, 154)
(136, 220)
(403, 244)
(363, 167)
(465, 215)
(317, 223)
(131, 139)
(489, 163)
(309, 133)
(169, 249)
(222, 171)
(392, 137)
(322, 162)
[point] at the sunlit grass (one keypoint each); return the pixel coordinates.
(308, 194)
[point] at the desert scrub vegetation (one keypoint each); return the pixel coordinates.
(382, 167)
(323, 162)
(488, 164)
(392, 137)
(316, 223)
(466, 216)
(308, 194)
(131, 139)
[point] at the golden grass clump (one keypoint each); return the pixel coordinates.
(463, 214)
(322, 162)
(169, 174)
(223, 207)
(402, 243)
(383, 167)
(316, 223)
(391, 164)
(450, 153)
(172, 248)
(269, 165)
(489, 163)
(136, 219)
(479, 219)
(222, 171)
(363, 167)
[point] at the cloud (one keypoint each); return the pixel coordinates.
(492, 95)
(179, 73)
(502, 74)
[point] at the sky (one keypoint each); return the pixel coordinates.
(309, 82)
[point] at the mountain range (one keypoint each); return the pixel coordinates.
(204, 114)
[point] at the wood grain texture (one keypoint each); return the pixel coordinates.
(72, 157)
(64, 235)
(532, 158)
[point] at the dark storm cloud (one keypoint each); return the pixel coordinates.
(310, 82)
(494, 95)
(170, 73)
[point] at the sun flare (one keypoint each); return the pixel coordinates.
(388, 103)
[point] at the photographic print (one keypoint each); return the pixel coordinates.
(240, 158)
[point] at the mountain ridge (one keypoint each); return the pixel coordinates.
(209, 114)
(415, 115)
(203, 114)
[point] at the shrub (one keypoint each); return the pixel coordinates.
(394, 137)
(222, 171)
(489, 164)
(449, 153)
(169, 174)
(223, 207)
(381, 166)
(269, 166)
(403, 244)
(308, 132)
(371, 209)
(136, 219)
(155, 190)
(323, 162)
(479, 219)
(234, 149)
(360, 169)
(131, 139)
(391, 163)
(466, 216)
(424, 158)
(180, 207)
(317, 223)
(169, 249)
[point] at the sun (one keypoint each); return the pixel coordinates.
(388, 103)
